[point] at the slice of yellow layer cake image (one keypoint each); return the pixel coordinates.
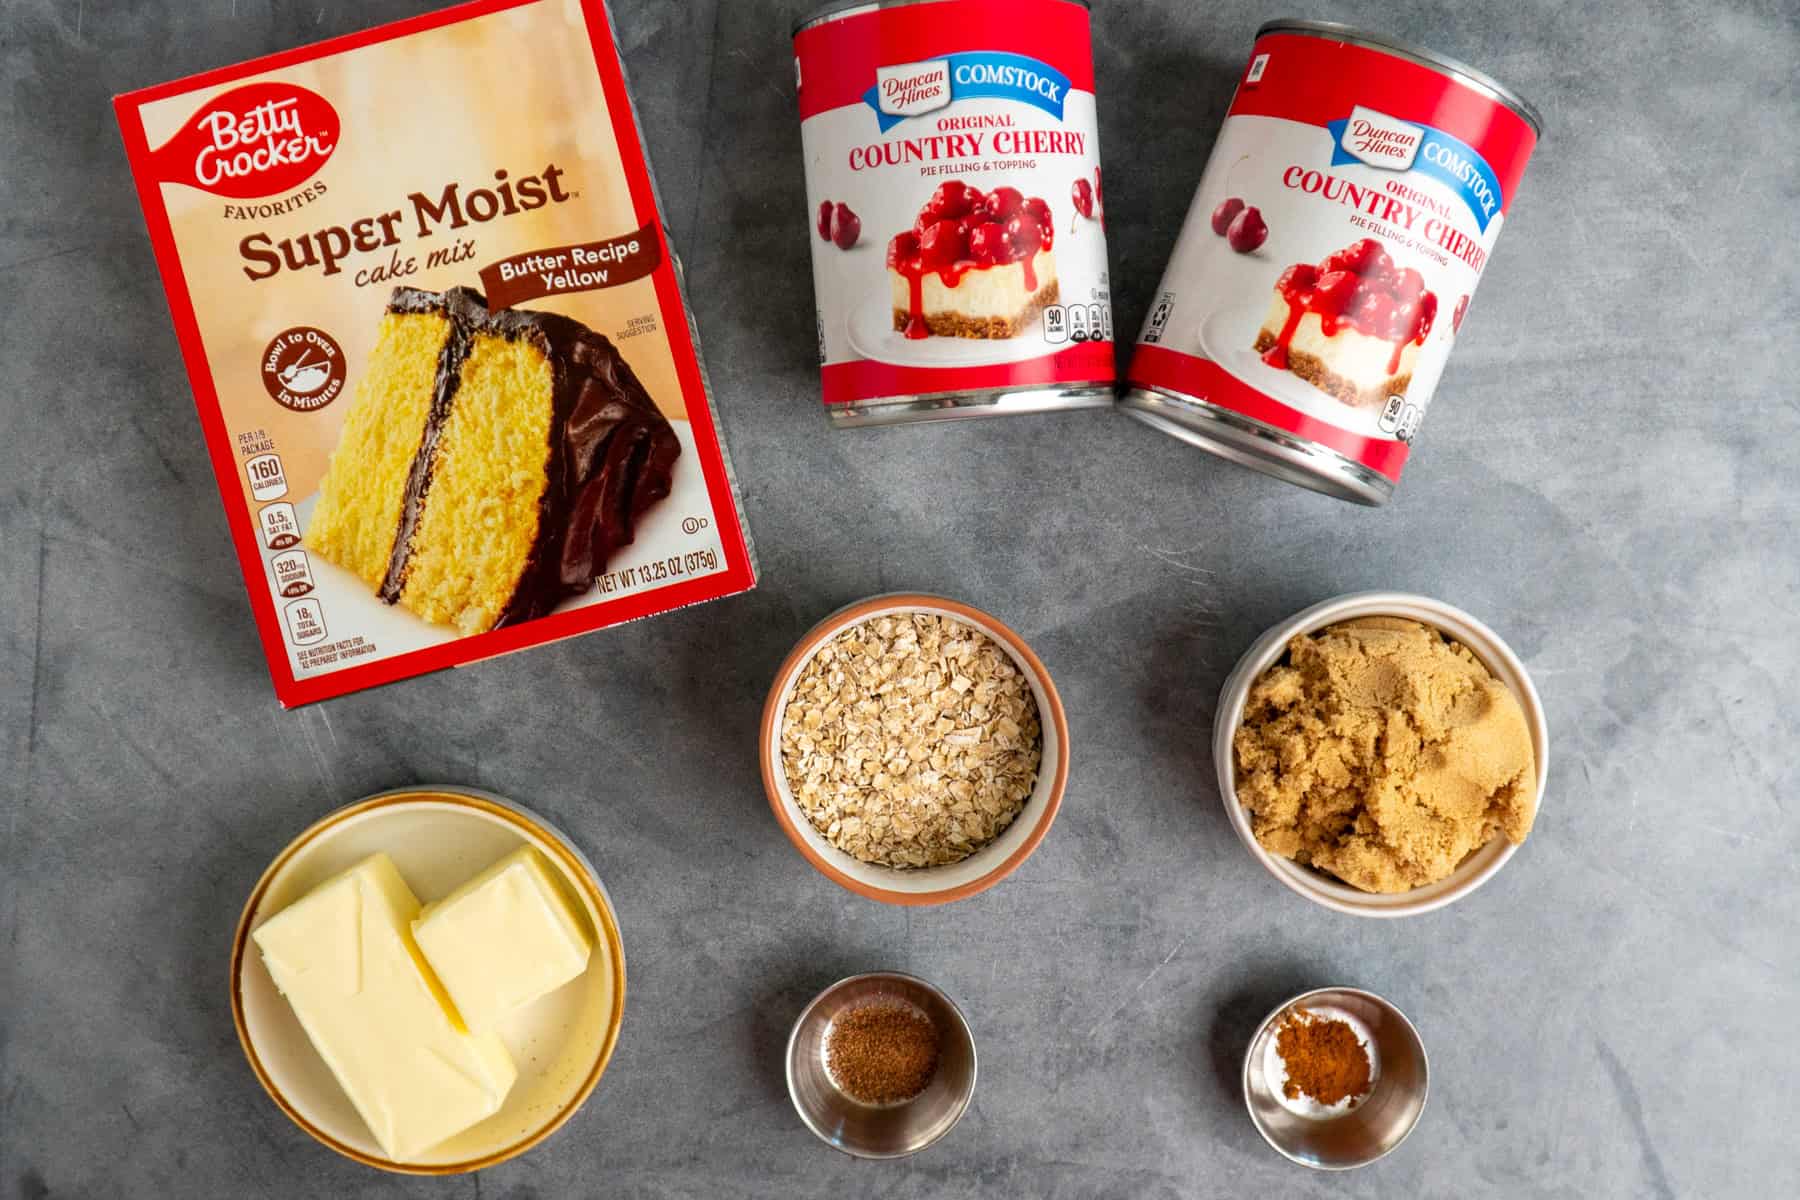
(491, 463)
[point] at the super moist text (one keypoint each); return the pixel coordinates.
(453, 208)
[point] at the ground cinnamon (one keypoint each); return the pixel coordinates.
(1323, 1056)
(882, 1053)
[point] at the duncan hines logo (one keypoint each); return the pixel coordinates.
(252, 141)
(1379, 140)
(909, 89)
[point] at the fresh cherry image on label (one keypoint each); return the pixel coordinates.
(846, 226)
(1081, 194)
(1222, 216)
(1247, 230)
(1462, 306)
(825, 220)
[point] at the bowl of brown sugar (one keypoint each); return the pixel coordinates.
(1381, 754)
(1335, 1078)
(914, 749)
(881, 1065)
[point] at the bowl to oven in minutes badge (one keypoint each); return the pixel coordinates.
(303, 369)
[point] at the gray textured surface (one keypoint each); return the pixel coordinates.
(1608, 480)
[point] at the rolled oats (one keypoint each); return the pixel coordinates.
(911, 740)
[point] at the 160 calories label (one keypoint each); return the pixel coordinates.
(955, 196)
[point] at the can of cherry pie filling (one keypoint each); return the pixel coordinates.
(1346, 213)
(957, 223)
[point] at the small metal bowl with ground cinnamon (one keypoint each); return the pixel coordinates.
(881, 1065)
(1335, 1078)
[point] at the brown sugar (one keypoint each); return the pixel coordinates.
(1384, 753)
(882, 1053)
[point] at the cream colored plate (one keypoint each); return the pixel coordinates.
(437, 837)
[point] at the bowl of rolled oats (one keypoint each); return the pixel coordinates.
(914, 749)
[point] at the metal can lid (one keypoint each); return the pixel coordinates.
(852, 8)
(1461, 71)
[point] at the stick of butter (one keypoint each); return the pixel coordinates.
(344, 957)
(504, 938)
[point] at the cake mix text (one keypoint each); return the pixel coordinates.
(425, 213)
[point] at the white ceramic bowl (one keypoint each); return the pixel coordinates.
(1316, 886)
(923, 885)
(438, 837)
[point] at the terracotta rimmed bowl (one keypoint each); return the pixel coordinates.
(438, 837)
(1316, 886)
(922, 885)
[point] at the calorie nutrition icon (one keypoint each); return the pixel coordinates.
(268, 481)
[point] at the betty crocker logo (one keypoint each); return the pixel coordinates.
(257, 140)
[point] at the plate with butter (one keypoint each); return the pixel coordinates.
(429, 981)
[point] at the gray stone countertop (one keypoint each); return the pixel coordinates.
(1609, 480)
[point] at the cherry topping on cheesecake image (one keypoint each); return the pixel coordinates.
(1359, 288)
(962, 229)
(1002, 203)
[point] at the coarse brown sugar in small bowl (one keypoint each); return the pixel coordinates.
(914, 749)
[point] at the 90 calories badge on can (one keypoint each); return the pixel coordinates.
(954, 187)
(1345, 216)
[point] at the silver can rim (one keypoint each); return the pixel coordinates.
(1458, 70)
(1256, 445)
(845, 8)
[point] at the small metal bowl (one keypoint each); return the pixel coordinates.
(890, 1130)
(1366, 1132)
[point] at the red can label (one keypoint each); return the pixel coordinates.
(1344, 218)
(954, 198)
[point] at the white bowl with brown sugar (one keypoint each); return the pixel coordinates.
(1301, 797)
(914, 749)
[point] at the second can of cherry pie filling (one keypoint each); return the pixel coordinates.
(954, 198)
(1346, 213)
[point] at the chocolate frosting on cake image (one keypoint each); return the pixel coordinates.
(492, 464)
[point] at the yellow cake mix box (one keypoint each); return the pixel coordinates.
(438, 342)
